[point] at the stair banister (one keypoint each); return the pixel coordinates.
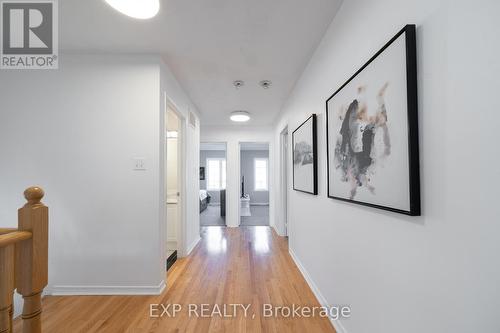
(24, 263)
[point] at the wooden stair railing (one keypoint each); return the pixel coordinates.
(24, 263)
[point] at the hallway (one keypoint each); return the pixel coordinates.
(246, 265)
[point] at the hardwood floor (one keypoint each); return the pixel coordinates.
(246, 265)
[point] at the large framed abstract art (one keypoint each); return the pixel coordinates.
(305, 157)
(372, 131)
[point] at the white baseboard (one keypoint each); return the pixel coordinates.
(18, 305)
(277, 231)
(192, 246)
(107, 290)
(18, 302)
(322, 300)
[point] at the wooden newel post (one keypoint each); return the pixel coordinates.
(32, 258)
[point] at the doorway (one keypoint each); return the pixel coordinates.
(174, 182)
(254, 184)
(284, 180)
(212, 184)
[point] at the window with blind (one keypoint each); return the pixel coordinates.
(261, 174)
(216, 174)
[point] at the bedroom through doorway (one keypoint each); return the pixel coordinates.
(213, 184)
(254, 184)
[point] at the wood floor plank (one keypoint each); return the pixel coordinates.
(246, 265)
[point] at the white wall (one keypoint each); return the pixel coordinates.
(434, 273)
(232, 136)
(74, 131)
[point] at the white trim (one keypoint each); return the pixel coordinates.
(18, 302)
(192, 246)
(107, 290)
(239, 189)
(181, 176)
(259, 204)
(322, 300)
(269, 179)
(277, 231)
(283, 211)
(162, 223)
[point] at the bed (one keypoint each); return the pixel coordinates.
(204, 200)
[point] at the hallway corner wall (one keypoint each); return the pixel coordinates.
(75, 131)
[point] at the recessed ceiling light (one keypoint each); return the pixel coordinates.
(240, 116)
(140, 9)
(266, 84)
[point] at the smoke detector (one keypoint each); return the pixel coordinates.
(266, 84)
(238, 84)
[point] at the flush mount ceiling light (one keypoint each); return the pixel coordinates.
(266, 84)
(240, 116)
(139, 9)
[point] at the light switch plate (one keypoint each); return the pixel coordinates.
(139, 163)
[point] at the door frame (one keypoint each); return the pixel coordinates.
(181, 176)
(225, 143)
(269, 176)
(285, 172)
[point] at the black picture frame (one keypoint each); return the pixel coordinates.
(202, 173)
(412, 122)
(314, 141)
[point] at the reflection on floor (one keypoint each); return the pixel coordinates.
(260, 216)
(211, 217)
(246, 265)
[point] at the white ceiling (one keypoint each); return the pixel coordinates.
(210, 43)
